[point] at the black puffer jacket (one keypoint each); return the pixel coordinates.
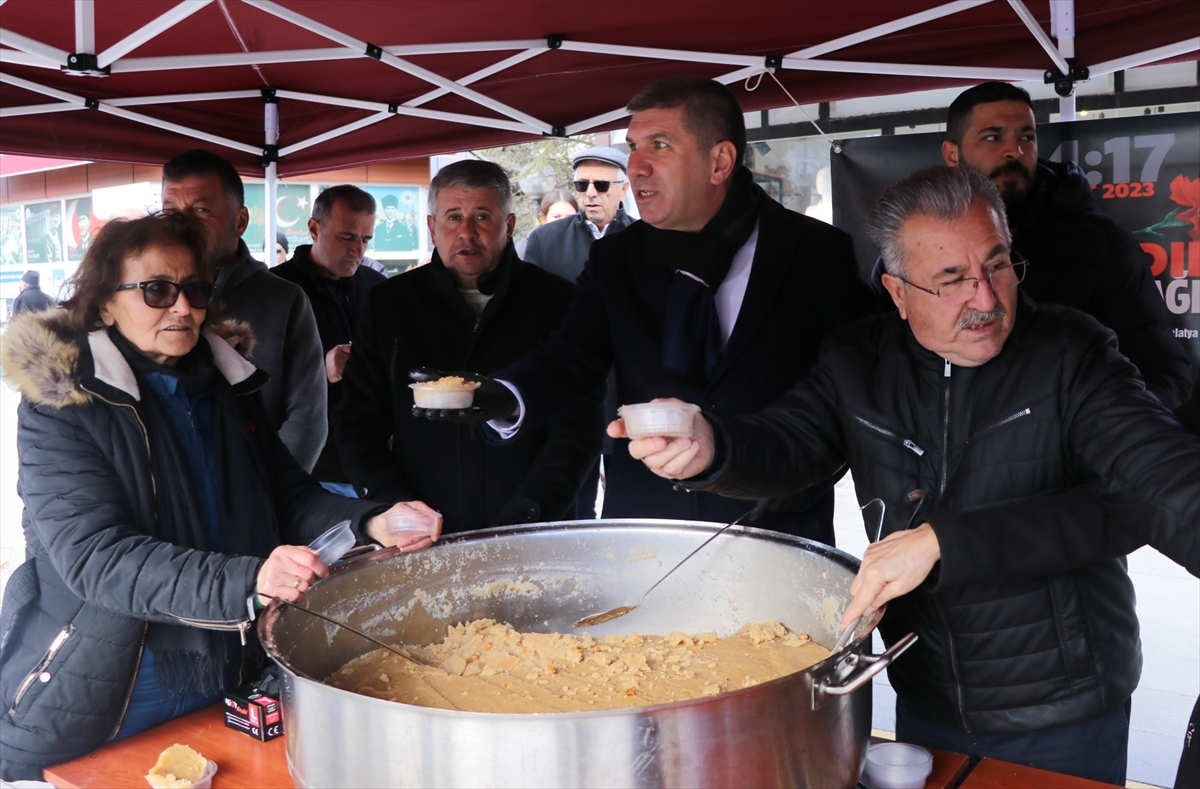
(76, 612)
(998, 652)
(418, 319)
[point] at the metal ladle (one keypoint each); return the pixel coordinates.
(345, 626)
(622, 610)
(918, 496)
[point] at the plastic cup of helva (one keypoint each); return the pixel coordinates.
(671, 420)
(448, 392)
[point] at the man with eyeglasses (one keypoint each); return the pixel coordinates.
(205, 186)
(331, 273)
(600, 184)
(993, 411)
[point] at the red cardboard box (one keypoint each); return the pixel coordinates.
(254, 713)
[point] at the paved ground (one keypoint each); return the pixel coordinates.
(1168, 605)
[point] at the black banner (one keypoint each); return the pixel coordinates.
(1145, 171)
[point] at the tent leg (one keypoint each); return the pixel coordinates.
(1062, 27)
(271, 130)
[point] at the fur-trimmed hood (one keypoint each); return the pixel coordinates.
(42, 356)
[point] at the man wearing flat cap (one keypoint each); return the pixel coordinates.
(31, 298)
(600, 183)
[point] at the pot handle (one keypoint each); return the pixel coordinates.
(854, 671)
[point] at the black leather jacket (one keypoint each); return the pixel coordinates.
(1002, 649)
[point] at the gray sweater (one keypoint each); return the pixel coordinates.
(288, 349)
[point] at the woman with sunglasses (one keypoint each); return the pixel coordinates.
(160, 507)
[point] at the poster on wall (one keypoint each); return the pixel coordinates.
(43, 232)
(293, 207)
(12, 235)
(1145, 171)
(397, 212)
(79, 227)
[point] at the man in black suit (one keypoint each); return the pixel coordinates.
(719, 296)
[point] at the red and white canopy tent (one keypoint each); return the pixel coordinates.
(286, 87)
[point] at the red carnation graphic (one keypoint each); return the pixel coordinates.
(1186, 192)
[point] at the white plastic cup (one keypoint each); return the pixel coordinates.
(898, 765)
(206, 777)
(333, 544)
(672, 420)
(408, 522)
(427, 394)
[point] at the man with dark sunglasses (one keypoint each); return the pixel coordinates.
(600, 184)
(205, 186)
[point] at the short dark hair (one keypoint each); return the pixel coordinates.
(351, 196)
(945, 193)
(958, 118)
(201, 161)
(711, 112)
(95, 281)
(473, 174)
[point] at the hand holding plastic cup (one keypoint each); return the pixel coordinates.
(667, 419)
(409, 522)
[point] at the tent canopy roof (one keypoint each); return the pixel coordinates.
(375, 80)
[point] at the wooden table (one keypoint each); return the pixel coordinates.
(242, 761)
(995, 774)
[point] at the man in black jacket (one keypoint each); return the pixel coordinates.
(997, 409)
(718, 296)
(1078, 256)
(31, 298)
(331, 274)
(474, 306)
(205, 186)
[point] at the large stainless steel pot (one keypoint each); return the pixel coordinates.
(806, 729)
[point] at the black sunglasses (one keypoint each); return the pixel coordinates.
(161, 294)
(601, 186)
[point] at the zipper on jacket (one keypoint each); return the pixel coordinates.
(883, 431)
(145, 433)
(132, 683)
(958, 695)
(1024, 412)
(240, 625)
(945, 431)
(55, 645)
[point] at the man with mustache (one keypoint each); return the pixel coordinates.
(331, 273)
(1077, 255)
(719, 295)
(996, 410)
(476, 305)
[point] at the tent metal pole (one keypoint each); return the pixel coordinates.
(888, 28)
(175, 98)
(178, 129)
(17, 58)
(34, 87)
(370, 120)
(332, 34)
(495, 68)
(999, 73)
(54, 56)
(1044, 40)
(1149, 56)
(415, 112)
(38, 109)
(165, 22)
(1062, 18)
(85, 26)
(271, 135)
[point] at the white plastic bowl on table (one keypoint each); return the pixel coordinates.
(898, 765)
(672, 420)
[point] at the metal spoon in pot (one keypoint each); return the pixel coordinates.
(918, 496)
(353, 630)
(619, 611)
